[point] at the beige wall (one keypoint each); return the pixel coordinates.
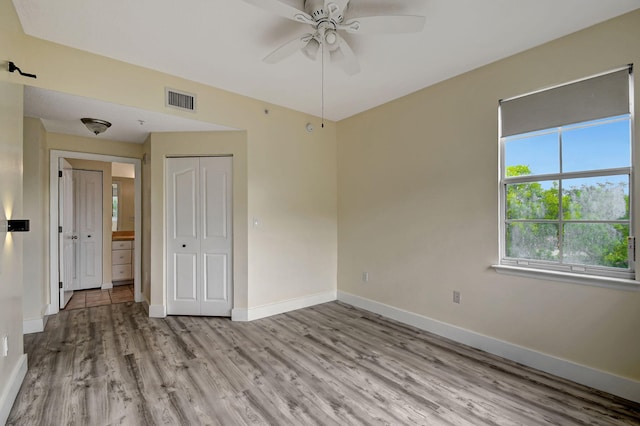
(418, 209)
(36, 202)
(92, 145)
(293, 195)
(11, 244)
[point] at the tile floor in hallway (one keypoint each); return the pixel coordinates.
(98, 297)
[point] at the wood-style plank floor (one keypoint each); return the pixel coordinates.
(328, 365)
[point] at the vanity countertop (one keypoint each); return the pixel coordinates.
(122, 236)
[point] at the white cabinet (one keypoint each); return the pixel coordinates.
(122, 260)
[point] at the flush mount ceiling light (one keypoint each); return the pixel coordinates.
(96, 126)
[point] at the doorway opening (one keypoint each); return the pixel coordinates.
(133, 275)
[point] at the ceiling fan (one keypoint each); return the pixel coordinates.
(327, 18)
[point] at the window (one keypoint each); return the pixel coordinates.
(566, 178)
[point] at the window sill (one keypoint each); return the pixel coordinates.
(598, 281)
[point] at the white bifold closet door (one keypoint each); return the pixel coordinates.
(199, 236)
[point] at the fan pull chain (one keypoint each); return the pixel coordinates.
(322, 88)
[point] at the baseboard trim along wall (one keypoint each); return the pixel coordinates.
(263, 311)
(107, 286)
(36, 325)
(157, 311)
(13, 387)
(31, 326)
(616, 385)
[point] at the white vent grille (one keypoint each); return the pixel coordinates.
(181, 100)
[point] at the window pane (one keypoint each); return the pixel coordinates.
(596, 244)
(536, 241)
(532, 155)
(596, 147)
(533, 200)
(596, 198)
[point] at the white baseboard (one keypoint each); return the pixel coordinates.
(9, 393)
(52, 309)
(36, 325)
(33, 325)
(616, 385)
(107, 286)
(157, 311)
(263, 311)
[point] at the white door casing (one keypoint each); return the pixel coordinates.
(66, 238)
(199, 236)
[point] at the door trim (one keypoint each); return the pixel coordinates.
(54, 158)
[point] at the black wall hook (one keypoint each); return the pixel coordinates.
(13, 67)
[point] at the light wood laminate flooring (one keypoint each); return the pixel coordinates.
(328, 365)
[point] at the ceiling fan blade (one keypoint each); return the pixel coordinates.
(348, 62)
(331, 8)
(288, 49)
(282, 9)
(396, 24)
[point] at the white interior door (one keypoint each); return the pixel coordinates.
(183, 245)
(199, 236)
(216, 242)
(89, 228)
(67, 238)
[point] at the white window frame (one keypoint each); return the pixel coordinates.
(591, 275)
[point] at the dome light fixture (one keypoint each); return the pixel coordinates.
(96, 126)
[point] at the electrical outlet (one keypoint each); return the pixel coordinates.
(365, 277)
(5, 346)
(456, 296)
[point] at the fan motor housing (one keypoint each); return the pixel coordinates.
(316, 9)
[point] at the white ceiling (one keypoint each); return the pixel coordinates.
(221, 43)
(61, 113)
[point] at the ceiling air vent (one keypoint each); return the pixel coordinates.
(181, 100)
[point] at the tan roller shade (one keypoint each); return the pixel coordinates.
(599, 97)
